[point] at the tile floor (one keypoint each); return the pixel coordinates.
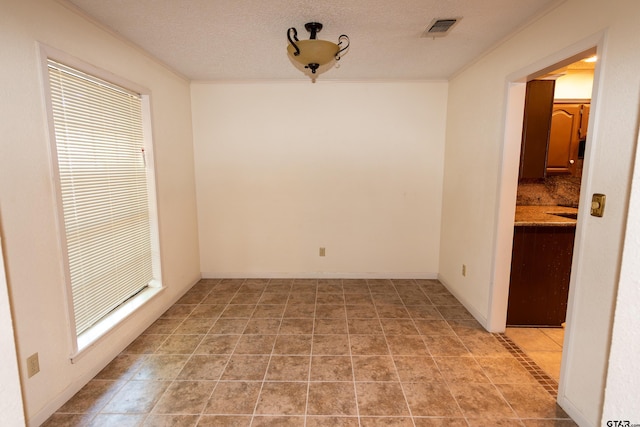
(542, 345)
(315, 353)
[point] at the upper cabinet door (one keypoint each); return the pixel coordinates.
(584, 122)
(564, 139)
(538, 107)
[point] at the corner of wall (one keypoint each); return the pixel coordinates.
(477, 314)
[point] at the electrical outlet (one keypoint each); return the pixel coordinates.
(322, 251)
(33, 365)
(464, 270)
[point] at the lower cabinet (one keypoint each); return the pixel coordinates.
(540, 272)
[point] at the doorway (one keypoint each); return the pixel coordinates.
(509, 180)
(542, 253)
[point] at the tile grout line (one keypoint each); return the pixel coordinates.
(449, 383)
(353, 368)
(266, 370)
(313, 328)
(404, 394)
(446, 382)
(548, 383)
(175, 379)
(471, 354)
(172, 381)
(202, 413)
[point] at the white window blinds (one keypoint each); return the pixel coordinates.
(103, 188)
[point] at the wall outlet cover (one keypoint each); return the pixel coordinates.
(33, 365)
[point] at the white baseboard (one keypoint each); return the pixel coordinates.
(473, 310)
(317, 275)
(573, 412)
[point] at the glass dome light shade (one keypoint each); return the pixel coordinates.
(319, 52)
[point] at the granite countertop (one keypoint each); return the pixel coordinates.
(545, 216)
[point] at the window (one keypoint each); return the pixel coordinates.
(105, 191)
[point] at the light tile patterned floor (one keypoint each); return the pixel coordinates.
(542, 345)
(315, 353)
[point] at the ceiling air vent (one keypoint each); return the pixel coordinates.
(440, 27)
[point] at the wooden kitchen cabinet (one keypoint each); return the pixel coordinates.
(584, 122)
(568, 127)
(540, 272)
(538, 108)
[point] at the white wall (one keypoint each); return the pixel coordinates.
(11, 406)
(623, 376)
(285, 168)
(29, 230)
(472, 179)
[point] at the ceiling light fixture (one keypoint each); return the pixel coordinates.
(314, 53)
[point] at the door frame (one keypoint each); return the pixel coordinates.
(508, 183)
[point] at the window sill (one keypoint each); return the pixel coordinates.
(91, 336)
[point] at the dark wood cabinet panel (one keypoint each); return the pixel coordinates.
(540, 272)
(538, 107)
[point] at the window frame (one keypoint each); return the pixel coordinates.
(80, 343)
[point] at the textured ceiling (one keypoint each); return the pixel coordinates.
(246, 39)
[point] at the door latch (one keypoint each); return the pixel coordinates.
(597, 204)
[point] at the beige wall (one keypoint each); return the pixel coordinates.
(286, 168)
(29, 226)
(474, 188)
(623, 374)
(11, 406)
